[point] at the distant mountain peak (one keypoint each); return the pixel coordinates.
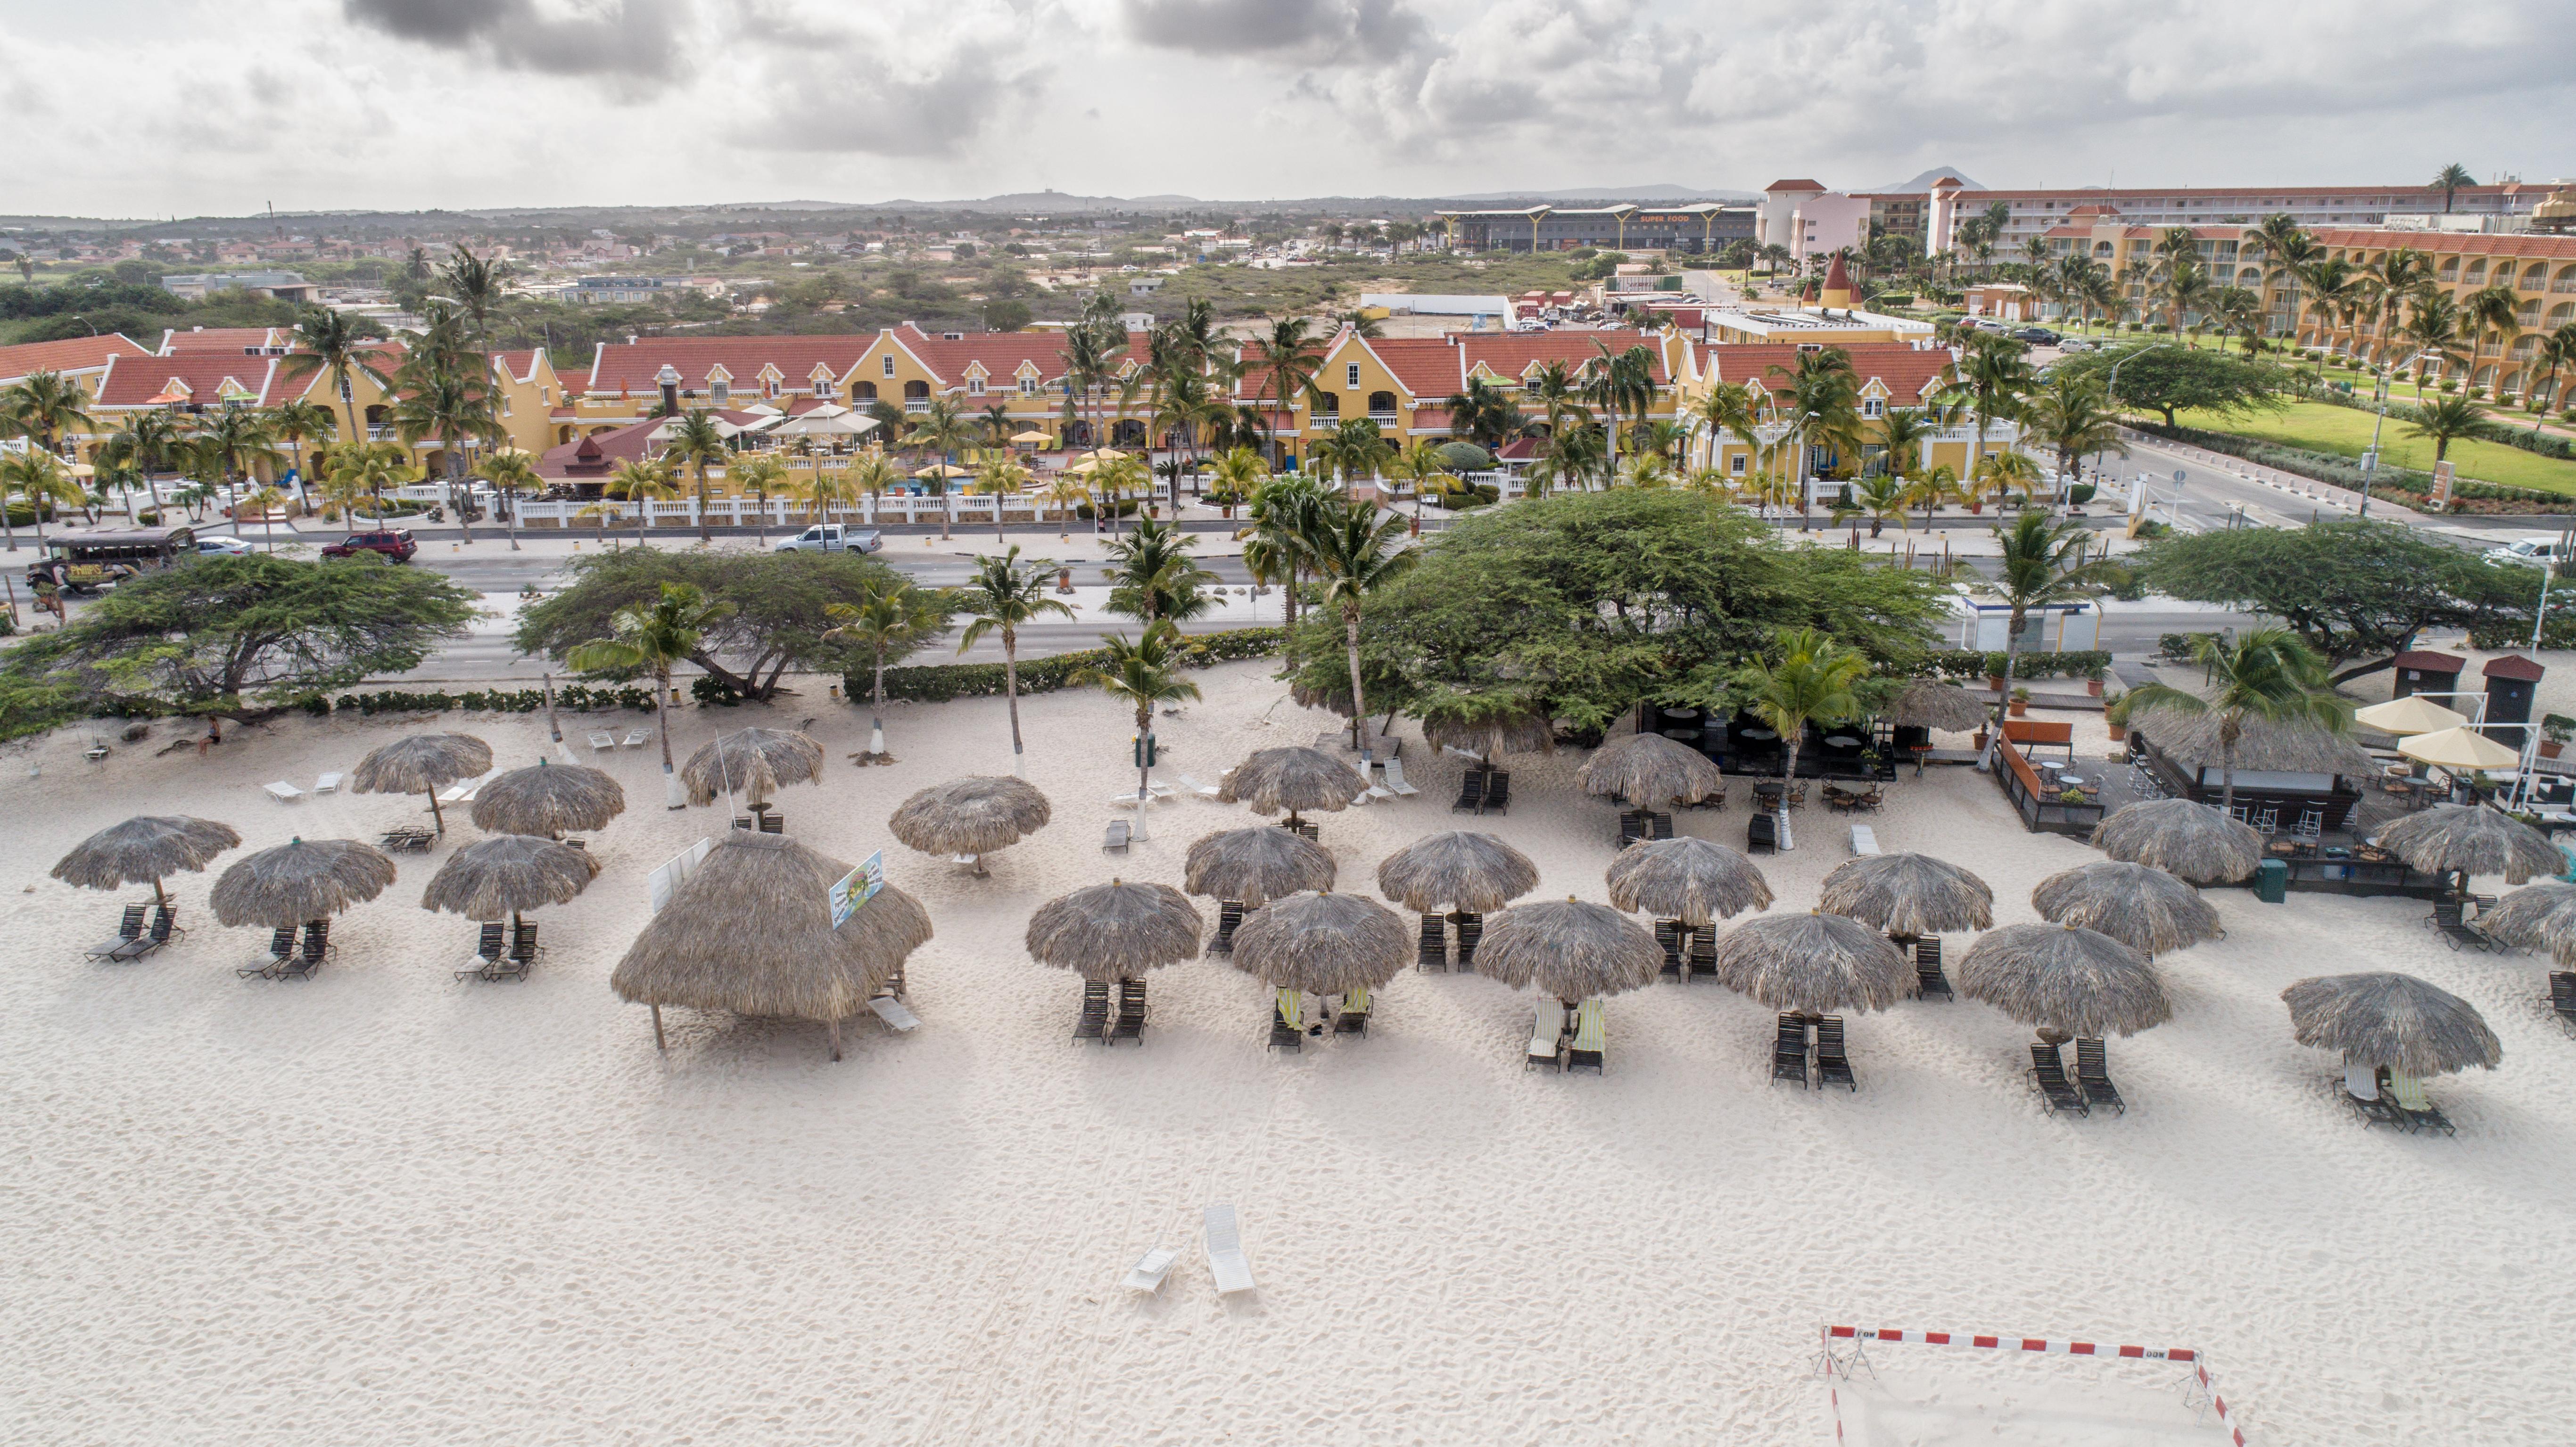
(1924, 181)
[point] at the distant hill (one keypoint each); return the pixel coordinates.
(1658, 192)
(1924, 181)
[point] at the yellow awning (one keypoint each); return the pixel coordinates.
(2459, 748)
(2413, 714)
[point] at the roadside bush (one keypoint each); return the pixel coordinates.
(938, 683)
(1970, 663)
(707, 689)
(571, 698)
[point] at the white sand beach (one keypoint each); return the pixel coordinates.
(389, 1207)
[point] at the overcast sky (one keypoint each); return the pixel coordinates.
(154, 107)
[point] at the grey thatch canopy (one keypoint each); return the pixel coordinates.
(974, 815)
(499, 877)
(1294, 778)
(2537, 916)
(422, 764)
(754, 763)
(2191, 740)
(1928, 703)
(144, 849)
(300, 880)
(1529, 732)
(750, 931)
(1324, 944)
(1689, 879)
(1473, 872)
(2139, 905)
(1115, 930)
(1650, 771)
(1569, 949)
(549, 800)
(2472, 839)
(1812, 963)
(2393, 1020)
(2191, 840)
(1908, 894)
(1257, 865)
(2065, 977)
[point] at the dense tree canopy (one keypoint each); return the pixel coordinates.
(2357, 592)
(2167, 378)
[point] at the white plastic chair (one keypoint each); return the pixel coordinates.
(282, 791)
(638, 738)
(327, 784)
(600, 739)
(1395, 778)
(1150, 1269)
(1226, 1261)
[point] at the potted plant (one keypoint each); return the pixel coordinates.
(2070, 795)
(2093, 681)
(2115, 716)
(2020, 701)
(1995, 672)
(2555, 730)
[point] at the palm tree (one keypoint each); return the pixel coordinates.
(760, 475)
(2334, 291)
(1354, 448)
(475, 285)
(2291, 251)
(1115, 481)
(696, 443)
(2450, 181)
(642, 483)
(1275, 550)
(1729, 409)
(2394, 278)
(2557, 353)
(1937, 486)
(821, 490)
(1154, 578)
(2071, 416)
(1878, 497)
(1002, 595)
(333, 346)
(891, 616)
(298, 419)
(1183, 403)
(510, 472)
(1625, 382)
(44, 406)
(266, 502)
(1813, 679)
(239, 438)
(998, 477)
(1824, 392)
(2434, 328)
(446, 393)
(1239, 472)
(1145, 673)
(2493, 308)
(366, 470)
(1557, 392)
(2446, 420)
(1481, 414)
(1419, 465)
(38, 477)
(871, 474)
(944, 429)
(1902, 432)
(2266, 674)
(1067, 492)
(653, 638)
(1356, 553)
(2044, 563)
(2004, 473)
(1996, 375)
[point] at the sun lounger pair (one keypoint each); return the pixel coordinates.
(1223, 1239)
(126, 941)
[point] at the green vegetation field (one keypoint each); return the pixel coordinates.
(2345, 432)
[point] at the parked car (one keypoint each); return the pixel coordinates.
(2532, 552)
(224, 547)
(394, 544)
(833, 538)
(2075, 344)
(2037, 336)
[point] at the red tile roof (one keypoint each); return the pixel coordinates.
(237, 340)
(146, 381)
(521, 365)
(72, 354)
(596, 457)
(1427, 367)
(1906, 372)
(2514, 665)
(633, 366)
(1508, 354)
(1797, 184)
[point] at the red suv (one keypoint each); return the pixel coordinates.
(395, 544)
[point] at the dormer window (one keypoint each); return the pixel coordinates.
(888, 359)
(719, 391)
(1028, 386)
(1872, 407)
(823, 388)
(974, 386)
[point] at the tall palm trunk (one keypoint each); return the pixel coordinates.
(1351, 644)
(1011, 692)
(457, 497)
(2228, 731)
(704, 535)
(2012, 652)
(671, 796)
(876, 706)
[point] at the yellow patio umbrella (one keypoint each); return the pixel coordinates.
(1105, 454)
(944, 469)
(2413, 714)
(2459, 748)
(1085, 467)
(1031, 438)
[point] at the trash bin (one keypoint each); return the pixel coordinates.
(2272, 881)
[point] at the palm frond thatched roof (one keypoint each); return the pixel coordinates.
(1323, 943)
(2191, 840)
(144, 850)
(1294, 779)
(2394, 1020)
(1908, 894)
(1256, 865)
(1115, 930)
(2536, 917)
(300, 880)
(1928, 703)
(1812, 963)
(1650, 772)
(2191, 740)
(506, 874)
(1689, 879)
(421, 763)
(2139, 905)
(2065, 977)
(2473, 839)
(754, 763)
(974, 815)
(1501, 733)
(750, 931)
(549, 799)
(1457, 869)
(1568, 948)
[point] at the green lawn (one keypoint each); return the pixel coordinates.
(2345, 432)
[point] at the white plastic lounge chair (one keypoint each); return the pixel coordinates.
(895, 1012)
(1864, 840)
(1161, 790)
(1122, 801)
(1120, 832)
(1395, 778)
(602, 740)
(475, 786)
(1150, 1269)
(1376, 790)
(1366, 797)
(1226, 1261)
(327, 784)
(282, 791)
(637, 738)
(1193, 786)
(1547, 1035)
(455, 792)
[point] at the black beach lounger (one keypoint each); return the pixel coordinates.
(1930, 983)
(1703, 954)
(1632, 827)
(1668, 933)
(2092, 1072)
(1762, 833)
(1434, 951)
(1789, 1051)
(281, 946)
(1833, 1067)
(1284, 1036)
(128, 930)
(2562, 997)
(1471, 793)
(1229, 915)
(1471, 928)
(1498, 794)
(1094, 1023)
(2048, 1072)
(1130, 1024)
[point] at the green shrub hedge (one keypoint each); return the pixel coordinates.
(571, 698)
(940, 682)
(1969, 663)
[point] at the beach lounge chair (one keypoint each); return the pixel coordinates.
(1930, 983)
(601, 740)
(1395, 779)
(1150, 1269)
(895, 1013)
(1115, 841)
(1471, 793)
(1789, 1051)
(1498, 794)
(772, 822)
(487, 950)
(282, 791)
(1701, 958)
(1761, 833)
(1659, 826)
(164, 925)
(1547, 1037)
(1094, 1021)
(1353, 1017)
(1591, 1045)
(1434, 951)
(1130, 1024)
(1190, 785)
(2450, 918)
(308, 960)
(281, 948)
(1229, 918)
(2048, 1072)
(2406, 1092)
(2093, 1075)
(1632, 827)
(327, 784)
(128, 930)
(1668, 933)
(1225, 1258)
(1864, 840)
(2562, 998)
(1302, 828)
(1288, 1021)
(1471, 928)
(1833, 1065)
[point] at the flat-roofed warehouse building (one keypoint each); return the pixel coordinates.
(1692, 229)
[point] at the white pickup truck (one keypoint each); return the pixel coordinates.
(833, 538)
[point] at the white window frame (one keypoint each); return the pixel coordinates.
(888, 359)
(1352, 373)
(1735, 465)
(974, 386)
(720, 391)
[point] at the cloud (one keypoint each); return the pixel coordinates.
(635, 42)
(1379, 32)
(967, 68)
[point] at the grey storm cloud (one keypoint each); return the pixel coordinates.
(1367, 30)
(628, 40)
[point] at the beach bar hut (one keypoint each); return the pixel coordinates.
(2291, 778)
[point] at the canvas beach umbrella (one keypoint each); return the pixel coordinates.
(549, 800)
(2413, 714)
(2140, 906)
(2463, 749)
(1695, 881)
(2394, 1020)
(508, 874)
(1908, 895)
(1294, 779)
(144, 850)
(1115, 931)
(2190, 840)
(1813, 964)
(2065, 977)
(973, 815)
(1322, 943)
(754, 762)
(300, 880)
(1257, 865)
(1477, 873)
(422, 764)
(1569, 948)
(1650, 772)
(2471, 839)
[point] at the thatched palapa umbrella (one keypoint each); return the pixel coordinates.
(1257, 865)
(300, 880)
(750, 931)
(1476, 873)
(754, 762)
(143, 850)
(1323, 943)
(974, 815)
(1928, 703)
(1813, 963)
(1687, 879)
(1650, 772)
(1569, 949)
(1112, 931)
(1487, 734)
(422, 764)
(2393, 1020)
(2140, 906)
(1908, 895)
(2191, 840)
(1293, 778)
(549, 800)
(2065, 977)
(2471, 839)
(2536, 916)
(507, 875)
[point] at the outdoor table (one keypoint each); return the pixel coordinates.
(1764, 734)
(2066, 778)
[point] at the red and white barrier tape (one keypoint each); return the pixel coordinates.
(2199, 1363)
